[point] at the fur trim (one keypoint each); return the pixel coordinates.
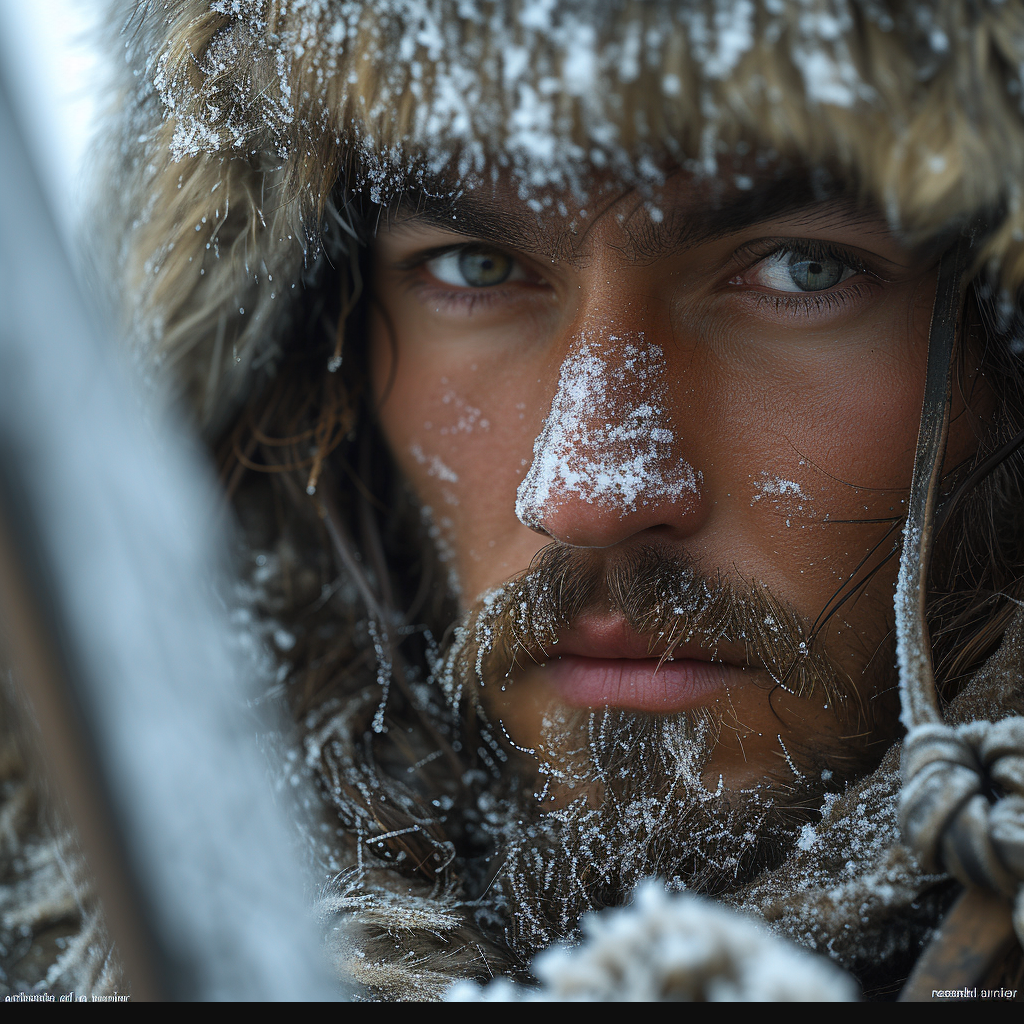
(254, 116)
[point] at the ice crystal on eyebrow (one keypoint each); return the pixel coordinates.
(607, 438)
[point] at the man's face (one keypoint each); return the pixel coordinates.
(723, 381)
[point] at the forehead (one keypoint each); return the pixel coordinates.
(676, 213)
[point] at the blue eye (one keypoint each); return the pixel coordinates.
(475, 268)
(794, 271)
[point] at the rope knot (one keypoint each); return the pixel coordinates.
(962, 803)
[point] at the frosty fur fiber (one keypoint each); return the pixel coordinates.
(246, 119)
(672, 948)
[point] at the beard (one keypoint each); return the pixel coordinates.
(653, 817)
(607, 797)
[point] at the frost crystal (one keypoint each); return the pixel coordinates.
(598, 443)
(775, 486)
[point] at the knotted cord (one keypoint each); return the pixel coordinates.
(962, 802)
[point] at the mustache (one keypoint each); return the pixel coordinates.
(662, 595)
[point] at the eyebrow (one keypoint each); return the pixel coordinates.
(494, 220)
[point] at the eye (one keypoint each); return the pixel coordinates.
(792, 270)
(475, 268)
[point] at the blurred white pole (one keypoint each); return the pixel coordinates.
(49, 55)
(109, 524)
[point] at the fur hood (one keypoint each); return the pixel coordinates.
(250, 125)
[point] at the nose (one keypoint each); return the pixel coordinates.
(608, 463)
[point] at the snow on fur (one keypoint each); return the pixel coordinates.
(672, 947)
(249, 125)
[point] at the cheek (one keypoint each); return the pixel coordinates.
(866, 433)
(461, 432)
(872, 406)
(428, 419)
(814, 454)
(841, 421)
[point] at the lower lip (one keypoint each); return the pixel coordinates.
(638, 684)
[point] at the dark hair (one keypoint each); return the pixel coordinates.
(977, 578)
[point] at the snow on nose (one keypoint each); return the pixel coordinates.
(607, 440)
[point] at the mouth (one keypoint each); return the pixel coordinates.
(602, 662)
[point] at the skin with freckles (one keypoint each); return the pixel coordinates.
(737, 384)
